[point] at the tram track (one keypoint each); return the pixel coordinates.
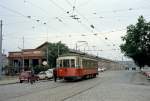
(34, 91)
(80, 92)
(70, 89)
(62, 83)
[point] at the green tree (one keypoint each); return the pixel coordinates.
(54, 50)
(137, 42)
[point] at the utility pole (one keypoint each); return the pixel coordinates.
(47, 55)
(1, 47)
(58, 50)
(76, 46)
(22, 53)
(23, 42)
(47, 50)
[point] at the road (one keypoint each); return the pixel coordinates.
(108, 86)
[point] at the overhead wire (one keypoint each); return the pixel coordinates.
(25, 16)
(21, 14)
(80, 14)
(130, 9)
(30, 16)
(18, 13)
(74, 9)
(103, 50)
(11, 10)
(34, 5)
(68, 13)
(84, 3)
(91, 25)
(59, 19)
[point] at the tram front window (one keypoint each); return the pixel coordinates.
(66, 63)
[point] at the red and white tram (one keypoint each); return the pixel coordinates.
(76, 66)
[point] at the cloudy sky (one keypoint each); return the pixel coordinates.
(100, 23)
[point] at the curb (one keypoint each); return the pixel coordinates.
(19, 82)
(8, 83)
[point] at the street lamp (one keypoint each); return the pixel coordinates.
(22, 57)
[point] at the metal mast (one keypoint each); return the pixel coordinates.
(1, 47)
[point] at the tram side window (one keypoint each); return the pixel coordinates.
(88, 63)
(57, 63)
(72, 63)
(84, 63)
(66, 63)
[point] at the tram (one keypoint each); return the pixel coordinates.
(76, 66)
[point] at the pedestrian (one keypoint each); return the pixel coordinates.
(55, 74)
(32, 77)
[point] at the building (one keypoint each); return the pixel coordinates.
(129, 65)
(27, 58)
(110, 64)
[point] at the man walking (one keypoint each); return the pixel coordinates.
(55, 74)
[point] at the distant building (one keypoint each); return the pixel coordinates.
(129, 65)
(110, 64)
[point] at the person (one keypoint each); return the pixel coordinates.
(55, 74)
(32, 77)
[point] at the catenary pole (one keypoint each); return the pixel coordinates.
(22, 53)
(1, 48)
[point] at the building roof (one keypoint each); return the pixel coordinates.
(42, 45)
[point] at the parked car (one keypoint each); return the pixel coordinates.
(27, 76)
(49, 73)
(148, 75)
(145, 70)
(45, 74)
(42, 75)
(51, 70)
(101, 69)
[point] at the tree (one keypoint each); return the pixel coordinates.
(54, 50)
(137, 42)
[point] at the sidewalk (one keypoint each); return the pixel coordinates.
(140, 79)
(8, 80)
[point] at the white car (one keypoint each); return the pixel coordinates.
(45, 75)
(42, 75)
(51, 70)
(101, 69)
(49, 74)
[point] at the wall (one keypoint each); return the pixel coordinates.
(111, 65)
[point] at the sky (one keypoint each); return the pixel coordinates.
(94, 26)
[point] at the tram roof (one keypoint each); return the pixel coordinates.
(82, 54)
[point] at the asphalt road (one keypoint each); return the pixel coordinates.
(108, 86)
